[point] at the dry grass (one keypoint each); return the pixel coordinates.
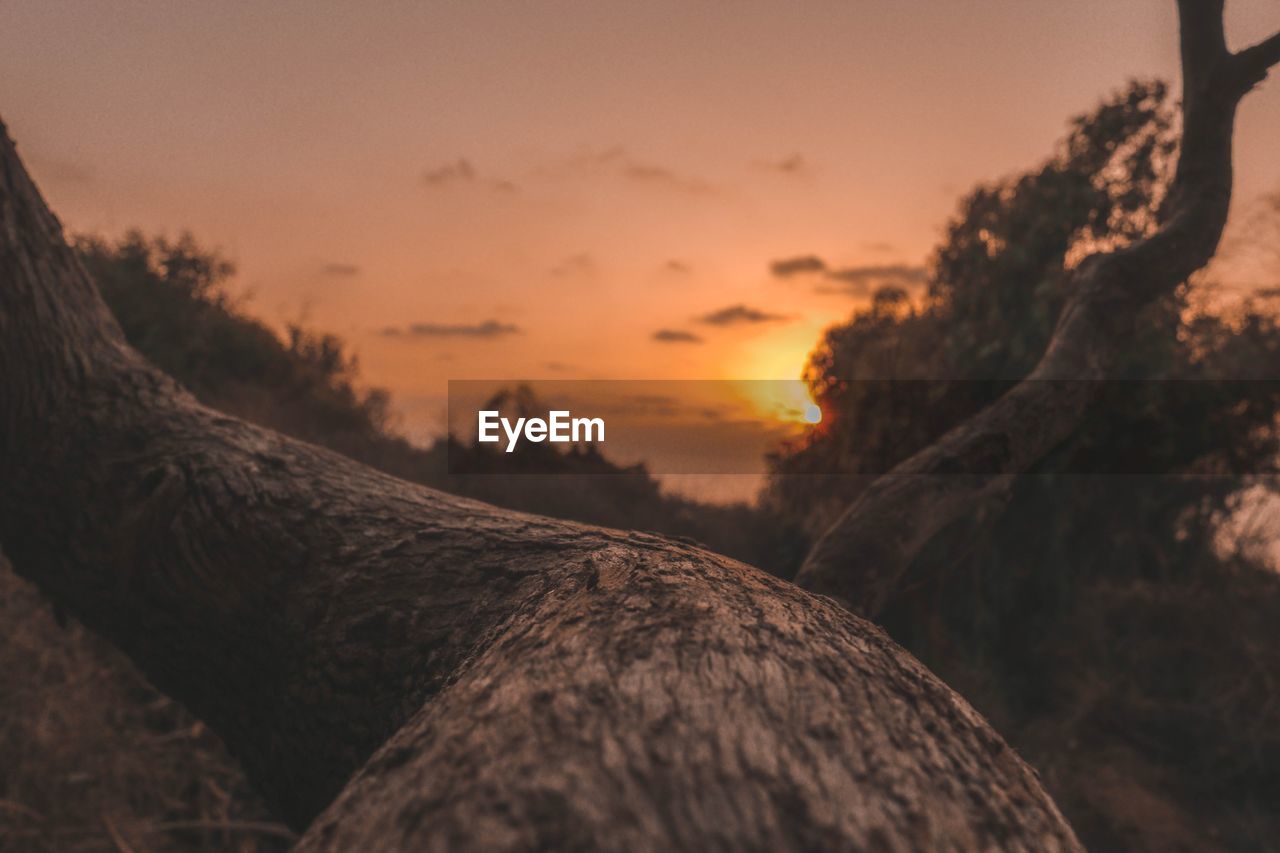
(1161, 730)
(94, 758)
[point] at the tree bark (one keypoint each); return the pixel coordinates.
(520, 682)
(861, 559)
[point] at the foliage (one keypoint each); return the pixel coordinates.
(171, 298)
(1036, 611)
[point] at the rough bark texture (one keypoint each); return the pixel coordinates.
(525, 683)
(862, 558)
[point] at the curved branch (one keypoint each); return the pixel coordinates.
(524, 682)
(1254, 62)
(861, 559)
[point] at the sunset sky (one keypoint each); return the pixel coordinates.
(534, 190)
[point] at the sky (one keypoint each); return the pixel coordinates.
(564, 190)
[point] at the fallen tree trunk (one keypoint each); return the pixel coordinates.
(519, 682)
(861, 559)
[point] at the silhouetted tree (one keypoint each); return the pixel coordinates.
(1055, 606)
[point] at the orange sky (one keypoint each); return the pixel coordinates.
(586, 172)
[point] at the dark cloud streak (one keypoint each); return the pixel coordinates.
(793, 166)
(736, 315)
(879, 274)
(340, 270)
(856, 280)
(799, 265)
(676, 336)
(485, 329)
(462, 173)
(622, 162)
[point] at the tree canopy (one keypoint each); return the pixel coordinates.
(1130, 522)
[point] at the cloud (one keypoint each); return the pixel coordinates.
(462, 173)
(581, 264)
(340, 270)
(799, 265)
(857, 280)
(740, 314)
(486, 329)
(676, 336)
(648, 173)
(866, 278)
(58, 170)
(621, 162)
(677, 267)
(793, 166)
(879, 246)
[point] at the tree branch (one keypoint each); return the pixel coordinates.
(862, 558)
(521, 682)
(1254, 62)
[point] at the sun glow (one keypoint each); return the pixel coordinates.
(786, 400)
(775, 390)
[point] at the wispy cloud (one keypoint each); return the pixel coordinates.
(651, 174)
(340, 270)
(623, 163)
(865, 278)
(485, 329)
(857, 280)
(63, 171)
(791, 166)
(581, 264)
(798, 265)
(736, 315)
(462, 173)
(676, 266)
(676, 336)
